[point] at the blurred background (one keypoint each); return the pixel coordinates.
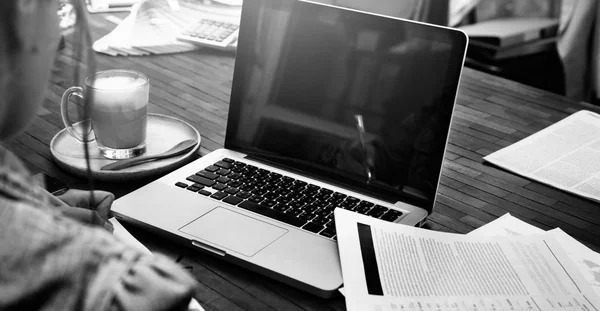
(548, 44)
(562, 58)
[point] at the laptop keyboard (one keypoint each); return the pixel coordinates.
(280, 197)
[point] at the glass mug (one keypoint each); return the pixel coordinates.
(119, 111)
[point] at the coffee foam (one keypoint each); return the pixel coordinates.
(118, 83)
(120, 93)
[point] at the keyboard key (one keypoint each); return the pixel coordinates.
(347, 204)
(362, 209)
(294, 211)
(352, 199)
(232, 190)
(339, 195)
(313, 187)
(223, 164)
(300, 182)
(389, 216)
(234, 175)
(212, 168)
(256, 199)
(257, 208)
(220, 187)
(312, 227)
(329, 232)
(201, 180)
(244, 194)
(365, 204)
(395, 212)
(271, 196)
(268, 203)
(219, 195)
(233, 200)
(320, 220)
(223, 179)
(260, 191)
(262, 172)
(307, 215)
(234, 183)
(247, 187)
(324, 213)
(204, 192)
(223, 172)
(228, 160)
(181, 184)
(193, 188)
(207, 174)
(237, 169)
(296, 204)
(376, 213)
(281, 207)
(380, 208)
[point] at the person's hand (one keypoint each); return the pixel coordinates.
(78, 204)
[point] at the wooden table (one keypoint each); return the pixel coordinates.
(491, 113)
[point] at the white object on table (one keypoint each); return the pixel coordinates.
(565, 155)
(410, 267)
(124, 236)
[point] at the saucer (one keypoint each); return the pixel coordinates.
(163, 132)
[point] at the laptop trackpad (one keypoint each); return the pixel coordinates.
(234, 231)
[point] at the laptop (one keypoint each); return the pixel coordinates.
(330, 108)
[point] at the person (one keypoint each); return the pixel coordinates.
(57, 253)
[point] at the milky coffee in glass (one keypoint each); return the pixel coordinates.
(119, 111)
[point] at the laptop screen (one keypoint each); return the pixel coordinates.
(361, 100)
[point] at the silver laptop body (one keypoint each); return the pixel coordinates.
(355, 105)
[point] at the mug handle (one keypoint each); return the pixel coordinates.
(64, 113)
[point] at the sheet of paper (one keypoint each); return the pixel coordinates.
(122, 234)
(565, 155)
(586, 260)
(393, 267)
(506, 225)
(152, 27)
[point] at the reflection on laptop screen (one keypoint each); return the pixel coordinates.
(347, 96)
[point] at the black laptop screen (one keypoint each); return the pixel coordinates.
(307, 76)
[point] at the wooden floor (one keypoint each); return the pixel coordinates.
(491, 113)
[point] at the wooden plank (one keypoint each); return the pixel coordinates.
(435, 220)
(479, 166)
(520, 190)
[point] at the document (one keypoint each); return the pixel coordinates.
(585, 259)
(565, 155)
(387, 266)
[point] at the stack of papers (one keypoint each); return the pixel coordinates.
(152, 27)
(565, 155)
(505, 265)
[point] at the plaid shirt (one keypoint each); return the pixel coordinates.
(50, 262)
